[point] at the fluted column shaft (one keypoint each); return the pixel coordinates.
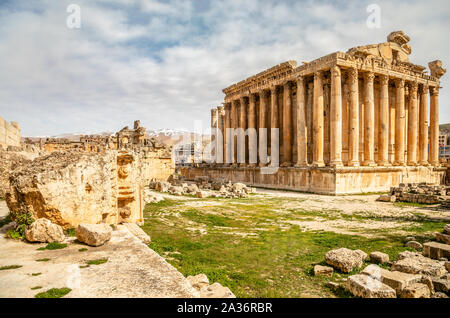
(251, 126)
(434, 126)
(369, 120)
(287, 125)
(234, 126)
(213, 135)
(302, 132)
(423, 126)
(242, 145)
(383, 136)
(220, 135)
(399, 122)
(227, 144)
(262, 125)
(274, 119)
(336, 118)
(318, 120)
(353, 143)
(412, 125)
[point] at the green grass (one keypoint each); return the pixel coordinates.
(43, 260)
(2, 199)
(271, 261)
(97, 261)
(53, 246)
(82, 249)
(10, 267)
(408, 204)
(84, 266)
(54, 293)
(36, 287)
(36, 274)
(70, 232)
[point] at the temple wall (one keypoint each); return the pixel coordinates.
(9, 134)
(155, 168)
(324, 180)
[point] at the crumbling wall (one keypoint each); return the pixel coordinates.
(70, 188)
(9, 134)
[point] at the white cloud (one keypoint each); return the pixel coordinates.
(167, 62)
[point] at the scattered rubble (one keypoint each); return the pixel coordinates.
(320, 270)
(345, 259)
(44, 231)
(379, 257)
(367, 287)
(202, 187)
(414, 245)
(94, 234)
(201, 283)
(422, 193)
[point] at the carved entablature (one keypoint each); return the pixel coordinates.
(275, 74)
(390, 59)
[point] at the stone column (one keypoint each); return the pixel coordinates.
(242, 145)
(434, 126)
(213, 135)
(262, 125)
(227, 143)
(412, 125)
(353, 142)
(423, 126)
(369, 120)
(274, 118)
(251, 126)
(302, 132)
(383, 137)
(287, 125)
(309, 120)
(399, 122)
(220, 135)
(336, 118)
(318, 120)
(234, 126)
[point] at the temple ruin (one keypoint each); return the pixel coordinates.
(9, 134)
(354, 122)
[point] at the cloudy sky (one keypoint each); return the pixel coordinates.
(166, 62)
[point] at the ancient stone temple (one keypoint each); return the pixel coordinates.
(359, 121)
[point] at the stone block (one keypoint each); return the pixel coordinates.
(415, 263)
(436, 250)
(442, 237)
(320, 270)
(368, 287)
(414, 245)
(379, 257)
(416, 290)
(447, 229)
(42, 230)
(345, 259)
(93, 234)
(396, 280)
(441, 284)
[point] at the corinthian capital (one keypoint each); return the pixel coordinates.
(434, 91)
(384, 79)
(353, 75)
(335, 71)
(400, 83)
(413, 87)
(369, 77)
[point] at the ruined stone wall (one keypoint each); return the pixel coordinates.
(70, 188)
(156, 168)
(9, 134)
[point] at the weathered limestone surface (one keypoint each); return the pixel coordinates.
(137, 231)
(368, 287)
(201, 283)
(396, 280)
(70, 188)
(42, 230)
(415, 263)
(416, 290)
(9, 134)
(379, 257)
(345, 259)
(323, 270)
(94, 234)
(436, 250)
(8, 161)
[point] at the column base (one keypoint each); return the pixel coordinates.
(261, 164)
(435, 164)
(399, 164)
(252, 165)
(411, 163)
(353, 164)
(318, 164)
(301, 165)
(424, 163)
(286, 164)
(370, 163)
(336, 164)
(384, 164)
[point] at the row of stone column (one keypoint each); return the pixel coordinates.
(241, 113)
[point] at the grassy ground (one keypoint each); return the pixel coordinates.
(249, 246)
